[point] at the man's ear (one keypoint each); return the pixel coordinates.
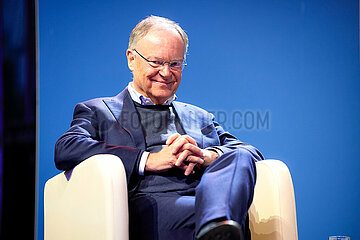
(131, 59)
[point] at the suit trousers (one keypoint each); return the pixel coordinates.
(225, 190)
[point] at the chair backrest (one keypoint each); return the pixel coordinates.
(273, 213)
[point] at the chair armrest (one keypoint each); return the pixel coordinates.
(272, 214)
(89, 202)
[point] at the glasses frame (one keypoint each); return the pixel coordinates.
(162, 63)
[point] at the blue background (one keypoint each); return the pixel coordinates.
(297, 61)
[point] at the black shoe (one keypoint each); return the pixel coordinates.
(224, 230)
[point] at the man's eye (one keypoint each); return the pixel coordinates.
(175, 64)
(158, 63)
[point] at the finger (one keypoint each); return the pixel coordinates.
(190, 169)
(180, 140)
(190, 139)
(194, 159)
(178, 144)
(187, 150)
(193, 149)
(183, 167)
(183, 155)
(186, 156)
(172, 138)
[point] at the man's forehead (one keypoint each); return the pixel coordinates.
(160, 32)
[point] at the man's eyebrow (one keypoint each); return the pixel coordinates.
(177, 59)
(157, 58)
(162, 59)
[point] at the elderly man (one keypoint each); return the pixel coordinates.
(187, 177)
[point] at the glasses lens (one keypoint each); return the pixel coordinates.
(176, 65)
(156, 64)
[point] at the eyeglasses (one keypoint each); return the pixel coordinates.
(173, 65)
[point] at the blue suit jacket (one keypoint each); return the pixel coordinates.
(111, 125)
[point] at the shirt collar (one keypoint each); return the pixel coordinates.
(139, 98)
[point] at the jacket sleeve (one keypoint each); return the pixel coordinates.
(82, 141)
(229, 142)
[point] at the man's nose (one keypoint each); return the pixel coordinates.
(165, 70)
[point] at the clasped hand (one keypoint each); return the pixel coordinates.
(181, 151)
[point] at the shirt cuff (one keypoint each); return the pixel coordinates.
(142, 163)
(215, 149)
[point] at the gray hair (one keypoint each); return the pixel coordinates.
(143, 27)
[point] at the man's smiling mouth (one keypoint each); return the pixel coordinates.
(162, 82)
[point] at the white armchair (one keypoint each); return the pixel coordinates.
(272, 215)
(90, 202)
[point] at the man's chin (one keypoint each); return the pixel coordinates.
(161, 98)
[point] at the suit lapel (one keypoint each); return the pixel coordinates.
(123, 109)
(189, 122)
